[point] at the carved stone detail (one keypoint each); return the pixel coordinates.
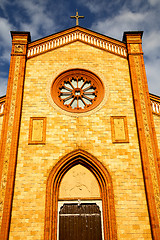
(135, 48)
(78, 91)
(80, 183)
(147, 134)
(37, 130)
(9, 137)
(119, 129)
(18, 48)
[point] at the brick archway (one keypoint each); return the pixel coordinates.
(105, 183)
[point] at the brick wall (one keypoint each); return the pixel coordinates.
(65, 133)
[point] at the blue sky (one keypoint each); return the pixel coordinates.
(109, 17)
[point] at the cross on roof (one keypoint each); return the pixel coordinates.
(77, 17)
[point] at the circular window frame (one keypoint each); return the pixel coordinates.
(94, 83)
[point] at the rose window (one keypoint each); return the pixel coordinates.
(77, 91)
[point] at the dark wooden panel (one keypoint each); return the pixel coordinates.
(80, 222)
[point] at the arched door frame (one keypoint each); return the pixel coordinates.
(106, 188)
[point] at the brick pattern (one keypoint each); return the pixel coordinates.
(147, 137)
(91, 132)
(10, 131)
(9, 135)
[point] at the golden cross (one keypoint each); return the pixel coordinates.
(77, 17)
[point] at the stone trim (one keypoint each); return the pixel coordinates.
(42, 138)
(104, 179)
(123, 126)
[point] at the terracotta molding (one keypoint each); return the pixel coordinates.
(2, 99)
(77, 34)
(155, 104)
(105, 183)
(2, 105)
(10, 129)
(79, 29)
(147, 137)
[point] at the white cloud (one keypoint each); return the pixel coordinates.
(154, 2)
(95, 6)
(41, 20)
(3, 86)
(5, 27)
(125, 21)
(147, 21)
(152, 43)
(99, 6)
(151, 48)
(153, 74)
(3, 4)
(5, 39)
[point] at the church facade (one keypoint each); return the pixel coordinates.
(80, 140)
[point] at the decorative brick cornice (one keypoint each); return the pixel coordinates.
(76, 34)
(155, 104)
(2, 105)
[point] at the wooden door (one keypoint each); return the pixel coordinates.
(80, 222)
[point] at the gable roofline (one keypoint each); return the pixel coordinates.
(73, 34)
(2, 98)
(154, 97)
(63, 32)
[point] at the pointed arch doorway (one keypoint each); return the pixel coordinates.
(62, 201)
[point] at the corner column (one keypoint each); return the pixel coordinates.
(11, 127)
(145, 126)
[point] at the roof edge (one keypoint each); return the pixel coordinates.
(75, 28)
(132, 33)
(22, 33)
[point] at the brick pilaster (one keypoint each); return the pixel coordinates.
(11, 126)
(145, 125)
